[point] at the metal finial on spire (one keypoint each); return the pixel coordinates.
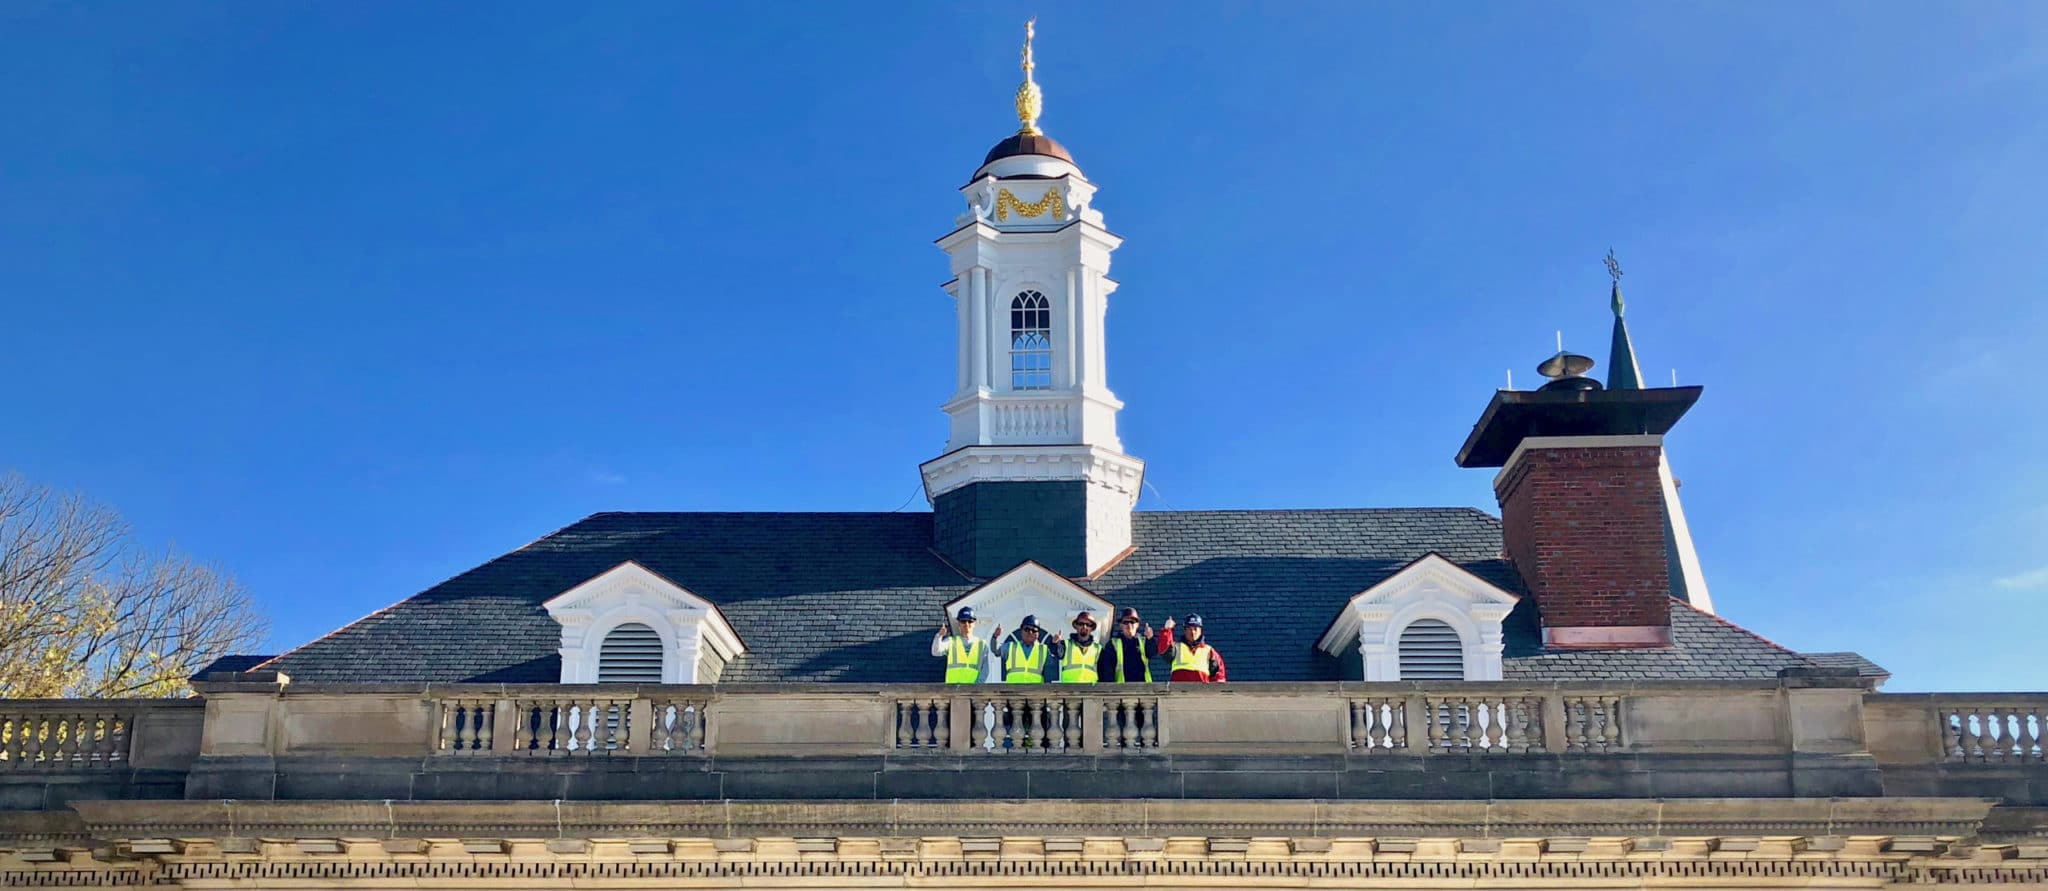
(1614, 272)
(1622, 371)
(1030, 99)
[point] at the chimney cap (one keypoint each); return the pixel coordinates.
(1515, 415)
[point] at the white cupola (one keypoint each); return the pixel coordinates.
(1033, 446)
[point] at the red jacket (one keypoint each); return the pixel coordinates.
(1215, 673)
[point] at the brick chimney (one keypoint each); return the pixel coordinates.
(1587, 505)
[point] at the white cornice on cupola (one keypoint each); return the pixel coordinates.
(1431, 587)
(1031, 589)
(630, 593)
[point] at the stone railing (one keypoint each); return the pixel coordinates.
(1042, 720)
(1961, 728)
(265, 737)
(91, 734)
(1511, 722)
(581, 724)
(1355, 719)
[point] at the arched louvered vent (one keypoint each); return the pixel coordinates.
(1431, 651)
(631, 654)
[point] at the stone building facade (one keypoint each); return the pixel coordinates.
(1433, 697)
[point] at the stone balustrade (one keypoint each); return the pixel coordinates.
(1354, 719)
(89, 734)
(264, 737)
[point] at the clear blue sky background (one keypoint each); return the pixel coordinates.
(350, 297)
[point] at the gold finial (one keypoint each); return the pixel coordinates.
(1030, 100)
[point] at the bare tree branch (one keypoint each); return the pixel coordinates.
(85, 612)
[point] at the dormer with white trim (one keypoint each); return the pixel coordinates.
(1417, 609)
(631, 624)
(1032, 590)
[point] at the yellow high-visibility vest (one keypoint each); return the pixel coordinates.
(963, 660)
(1024, 664)
(1078, 666)
(1187, 658)
(1116, 648)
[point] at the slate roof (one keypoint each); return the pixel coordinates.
(1853, 661)
(855, 597)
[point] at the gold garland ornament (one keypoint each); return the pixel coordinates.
(1006, 202)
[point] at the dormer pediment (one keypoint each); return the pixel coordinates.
(1431, 588)
(630, 594)
(1032, 589)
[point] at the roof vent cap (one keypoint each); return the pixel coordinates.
(1567, 371)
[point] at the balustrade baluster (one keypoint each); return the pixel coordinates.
(905, 714)
(1515, 714)
(481, 714)
(113, 747)
(1150, 729)
(2037, 736)
(89, 740)
(1126, 717)
(1041, 715)
(582, 719)
(1359, 740)
(1607, 729)
(1462, 720)
(988, 723)
(1532, 717)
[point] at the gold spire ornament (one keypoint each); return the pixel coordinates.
(1030, 99)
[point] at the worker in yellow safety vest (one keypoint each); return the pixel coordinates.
(1025, 657)
(1193, 659)
(1123, 655)
(966, 655)
(1080, 652)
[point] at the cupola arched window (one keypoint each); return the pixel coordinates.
(631, 654)
(1431, 651)
(1030, 342)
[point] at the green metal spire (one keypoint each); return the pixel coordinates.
(1622, 371)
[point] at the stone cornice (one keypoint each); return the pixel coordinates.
(1947, 817)
(1811, 843)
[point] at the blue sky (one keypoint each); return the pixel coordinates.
(348, 298)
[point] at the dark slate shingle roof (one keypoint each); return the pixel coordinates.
(854, 596)
(1854, 661)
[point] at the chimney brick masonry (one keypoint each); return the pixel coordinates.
(1584, 524)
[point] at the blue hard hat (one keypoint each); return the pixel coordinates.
(1194, 620)
(966, 614)
(1030, 622)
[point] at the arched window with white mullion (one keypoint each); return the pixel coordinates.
(1030, 342)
